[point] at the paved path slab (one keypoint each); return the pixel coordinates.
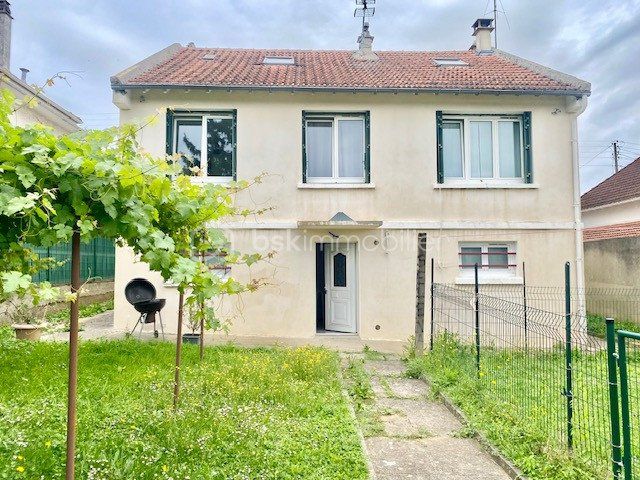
(420, 435)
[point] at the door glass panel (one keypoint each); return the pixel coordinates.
(452, 149)
(498, 257)
(319, 148)
(481, 150)
(189, 144)
(469, 256)
(510, 149)
(351, 148)
(339, 270)
(220, 147)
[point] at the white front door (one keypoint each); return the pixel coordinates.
(340, 278)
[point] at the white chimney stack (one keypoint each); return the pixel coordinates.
(482, 29)
(5, 34)
(365, 41)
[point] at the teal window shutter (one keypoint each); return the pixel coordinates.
(439, 160)
(304, 147)
(367, 147)
(235, 145)
(169, 138)
(528, 153)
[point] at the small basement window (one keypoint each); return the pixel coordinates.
(278, 61)
(450, 62)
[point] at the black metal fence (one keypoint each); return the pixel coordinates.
(535, 356)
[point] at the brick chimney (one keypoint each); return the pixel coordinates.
(365, 41)
(5, 34)
(482, 29)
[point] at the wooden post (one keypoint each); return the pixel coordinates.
(420, 287)
(176, 380)
(72, 392)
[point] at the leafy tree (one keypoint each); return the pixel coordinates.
(100, 183)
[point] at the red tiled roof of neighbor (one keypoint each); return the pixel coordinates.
(620, 186)
(401, 70)
(606, 232)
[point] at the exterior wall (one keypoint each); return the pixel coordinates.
(285, 308)
(613, 263)
(624, 212)
(42, 113)
(403, 156)
(403, 195)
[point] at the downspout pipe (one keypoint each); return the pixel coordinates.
(575, 107)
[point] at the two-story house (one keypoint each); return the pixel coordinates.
(363, 151)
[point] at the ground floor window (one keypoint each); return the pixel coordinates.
(492, 258)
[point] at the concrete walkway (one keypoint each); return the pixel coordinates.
(421, 439)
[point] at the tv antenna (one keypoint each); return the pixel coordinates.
(498, 8)
(364, 10)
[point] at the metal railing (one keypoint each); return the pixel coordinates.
(531, 356)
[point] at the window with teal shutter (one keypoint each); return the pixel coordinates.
(204, 139)
(483, 148)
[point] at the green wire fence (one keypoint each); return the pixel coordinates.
(97, 260)
(531, 355)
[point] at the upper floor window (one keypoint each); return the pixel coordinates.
(481, 148)
(336, 147)
(205, 142)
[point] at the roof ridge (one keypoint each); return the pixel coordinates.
(312, 50)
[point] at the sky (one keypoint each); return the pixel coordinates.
(595, 40)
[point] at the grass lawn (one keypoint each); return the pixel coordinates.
(245, 414)
(518, 404)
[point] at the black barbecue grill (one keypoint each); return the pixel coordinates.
(142, 295)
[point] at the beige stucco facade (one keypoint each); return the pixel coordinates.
(539, 219)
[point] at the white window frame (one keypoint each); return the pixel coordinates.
(204, 161)
(484, 271)
(335, 160)
(465, 121)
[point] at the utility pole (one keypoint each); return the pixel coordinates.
(616, 151)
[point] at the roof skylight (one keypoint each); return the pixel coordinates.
(450, 62)
(278, 61)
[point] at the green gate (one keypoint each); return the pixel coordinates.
(624, 353)
(97, 260)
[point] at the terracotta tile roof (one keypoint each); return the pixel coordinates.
(620, 230)
(337, 69)
(620, 186)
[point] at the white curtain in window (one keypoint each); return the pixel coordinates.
(351, 148)
(319, 148)
(481, 149)
(452, 149)
(510, 149)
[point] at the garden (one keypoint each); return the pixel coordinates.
(259, 413)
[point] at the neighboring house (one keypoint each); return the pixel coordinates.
(611, 216)
(43, 110)
(365, 150)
